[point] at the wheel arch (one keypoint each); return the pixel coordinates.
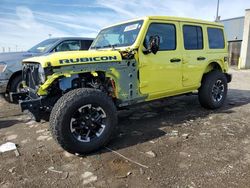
(104, 76)
(14, 75)
(112, 76)
(102, 73)
(213, 65)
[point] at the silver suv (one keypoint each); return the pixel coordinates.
(11, 67)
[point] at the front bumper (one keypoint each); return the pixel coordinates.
(39, 107)
(33, 105)
(3, 86)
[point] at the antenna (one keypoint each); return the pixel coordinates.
(217, 12)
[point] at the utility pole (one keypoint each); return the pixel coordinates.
(217, 12)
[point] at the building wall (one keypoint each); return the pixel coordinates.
(244, 62)
(234, 30)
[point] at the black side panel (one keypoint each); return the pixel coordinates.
(85, 44)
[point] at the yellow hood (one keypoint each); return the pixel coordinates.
(75, 57)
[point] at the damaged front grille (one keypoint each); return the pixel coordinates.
(31, 75)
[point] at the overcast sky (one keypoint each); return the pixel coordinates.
(24, 23)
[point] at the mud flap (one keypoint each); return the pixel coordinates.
(229, 77)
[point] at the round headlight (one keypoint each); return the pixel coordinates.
(2, 67)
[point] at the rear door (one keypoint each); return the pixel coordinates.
(194, 56)
(160, 73)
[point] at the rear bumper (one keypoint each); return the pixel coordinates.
(3, 86)
(229, 77)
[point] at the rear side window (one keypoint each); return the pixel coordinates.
(216, 38)
(167, 34)
(193, 38)
(68, 45)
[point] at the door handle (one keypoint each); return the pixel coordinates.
(175, 60)
(201, 58)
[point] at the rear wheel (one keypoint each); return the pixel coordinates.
(213, 90)
(83, 120)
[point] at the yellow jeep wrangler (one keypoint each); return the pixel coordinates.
(128, 63)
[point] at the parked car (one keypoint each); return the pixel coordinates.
(128, 63)
(11, 67)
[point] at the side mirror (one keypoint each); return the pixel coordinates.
(154, 44)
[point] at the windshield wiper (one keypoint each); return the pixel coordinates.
(111, 46)
(106, 46)
(96, 47)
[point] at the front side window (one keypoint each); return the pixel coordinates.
(167, 34)
(118, 36)
(193, 38)
(216, 38)
(73, 45)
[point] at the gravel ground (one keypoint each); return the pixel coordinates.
(168, 143)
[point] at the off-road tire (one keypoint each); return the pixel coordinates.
(205, 91)
(65, 107)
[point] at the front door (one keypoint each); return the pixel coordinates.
(161, 73)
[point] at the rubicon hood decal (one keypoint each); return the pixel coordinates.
(76, 57)
(88, 59)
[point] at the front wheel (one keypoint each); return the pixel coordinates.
(83, 120)
(213, 90)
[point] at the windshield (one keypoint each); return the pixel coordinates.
(42, 46)
(117, 36)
